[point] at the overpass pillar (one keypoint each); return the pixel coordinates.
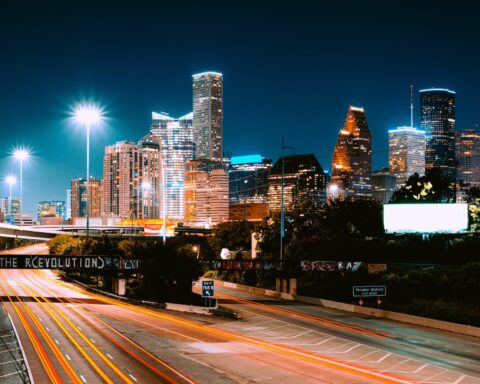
(119, 286)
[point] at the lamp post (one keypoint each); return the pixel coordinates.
(88, 115)
(282, 210)
(21, 155)
(11, 180)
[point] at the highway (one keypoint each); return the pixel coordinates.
(73, 336)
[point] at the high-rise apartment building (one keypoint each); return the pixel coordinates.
(208, 115)
(248, 179)
(467, 147)
(352, 158)
(51, 208)
(303, 181)
(437, 118)
(79, 198)
(206, 193)
(68, 205)
(406, 147)
(132, 179)
(177, 147)
(9, 208)
(383, 185)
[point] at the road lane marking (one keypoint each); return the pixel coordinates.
(93, 341)
(346, 351)
(83, 378)
(459, 379)
(56, 341)
(295, 336)
(133, 377)
(8, 350)
(11, 374)
(68, 357)
(110, 356)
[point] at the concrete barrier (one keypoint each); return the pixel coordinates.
(379, 313)
(187, 308)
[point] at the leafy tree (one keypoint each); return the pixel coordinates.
(234, 235)
(65, 245)
(432, 187)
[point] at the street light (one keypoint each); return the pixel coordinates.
(11, 181)
(88, 115)
(282, 209)
(21, 154)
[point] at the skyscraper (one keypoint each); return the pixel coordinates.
(383, 185)
(177, 147)
(51, 212)
(467, 147)
(131, 179)
(304, 181)
(248, 179)
(352, 158)
(208, 115)
(79, 198)
(437, 118)
(406, 153)
(206, 193)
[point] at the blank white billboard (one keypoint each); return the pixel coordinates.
(425, 218)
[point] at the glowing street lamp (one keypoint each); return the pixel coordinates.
(88, 115)
(11, 181)
(21, 154)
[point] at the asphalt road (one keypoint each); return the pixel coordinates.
(70, 335)
(416, 354)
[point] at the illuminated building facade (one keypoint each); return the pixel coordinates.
(248, 179)
(206, 193)
(383, 185)
(406, 153)
(352, 157)
(132, 179)
(437, 119)
(208, 115)
(52, 208)
(177, 147)
(467, 147)
(79, 198)
(304, 182)
(9, 208)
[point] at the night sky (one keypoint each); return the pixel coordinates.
(290, 68)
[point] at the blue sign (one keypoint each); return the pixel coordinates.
(208, 288)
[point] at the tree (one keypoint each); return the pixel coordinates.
(65, 245)
(234, 235)
(432, 187)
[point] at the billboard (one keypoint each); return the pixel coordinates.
(425, 218)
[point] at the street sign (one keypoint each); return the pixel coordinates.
(369, 290)
(208, 288)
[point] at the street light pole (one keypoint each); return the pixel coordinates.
(21, 154)
(87, 126)
(282, 209)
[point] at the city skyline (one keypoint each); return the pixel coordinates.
(286, 90)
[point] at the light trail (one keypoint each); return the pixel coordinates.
(134, 355)
(334, 363)
(82, 336)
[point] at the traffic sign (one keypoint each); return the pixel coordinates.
(369, 290)
(208, 288)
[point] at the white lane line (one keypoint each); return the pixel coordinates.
(48, 330)
(133, 377)
(11, 374)
(110, 356)
(56, 341)
(293, 337)
(420, 368)
(83, 378)
(93, 341)
(346, 351)
(68, 357)
(320, 342)
(9, 350)
(459, 379)
(11, 361)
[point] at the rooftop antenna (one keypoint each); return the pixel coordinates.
(411, 105)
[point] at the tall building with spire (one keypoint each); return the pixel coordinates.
(406, 148)
(437, 118)
(177, 147)
(352, 157)
(208, 115)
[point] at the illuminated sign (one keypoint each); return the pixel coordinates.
(246, 159)
(369, 290)
(425, 218)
